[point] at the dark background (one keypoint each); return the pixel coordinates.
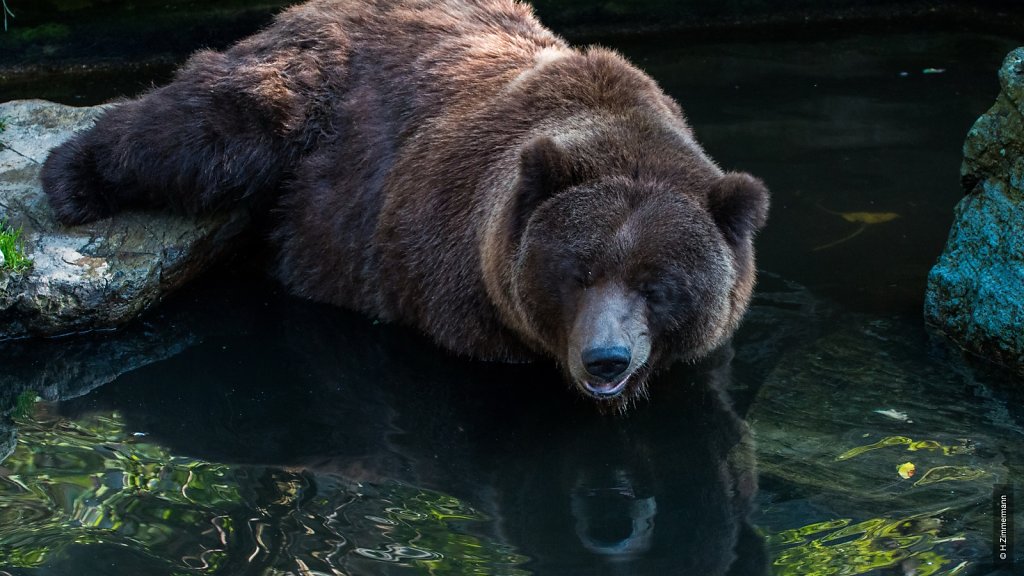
(63, 35)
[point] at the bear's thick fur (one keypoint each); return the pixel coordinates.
(453, 165)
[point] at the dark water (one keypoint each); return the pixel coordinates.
(239, 431)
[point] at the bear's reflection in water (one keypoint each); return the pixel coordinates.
(666, 489)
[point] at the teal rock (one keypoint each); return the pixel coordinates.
(975, 293)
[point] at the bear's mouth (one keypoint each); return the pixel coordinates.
(607, 390)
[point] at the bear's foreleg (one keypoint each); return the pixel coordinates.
(227, 128)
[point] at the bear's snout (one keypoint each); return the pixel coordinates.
(609, 342)
(606, 364)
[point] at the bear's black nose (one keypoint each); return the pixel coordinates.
(606, 363)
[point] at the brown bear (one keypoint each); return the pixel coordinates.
(455, 166)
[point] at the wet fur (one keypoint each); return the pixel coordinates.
(407, 146)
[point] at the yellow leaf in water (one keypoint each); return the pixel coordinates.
(906, 470)
(865, 219)
(869, 217)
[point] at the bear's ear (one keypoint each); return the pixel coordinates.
(544, 170)
(739, 204)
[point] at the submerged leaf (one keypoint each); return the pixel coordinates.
(865, 219)
(869, 217)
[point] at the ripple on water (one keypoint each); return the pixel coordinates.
(87, 483)
(862, 425)
(841, 546)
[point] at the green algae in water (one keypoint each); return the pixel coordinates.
(912, 446)
(949, 473)
(89, 482)
(842, 547)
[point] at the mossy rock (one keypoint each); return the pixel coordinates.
(975, 292)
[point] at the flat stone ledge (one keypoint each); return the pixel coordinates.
(96, 275)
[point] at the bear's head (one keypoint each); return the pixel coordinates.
(618, 276)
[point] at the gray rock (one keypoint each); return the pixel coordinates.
(96, 275)
(75, 366)
(975, 292)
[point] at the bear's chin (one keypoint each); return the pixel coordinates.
(607, 390)
(618, 396)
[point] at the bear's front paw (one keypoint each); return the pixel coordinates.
(77, 193)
